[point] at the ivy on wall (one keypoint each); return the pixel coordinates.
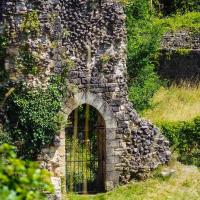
(26, 61)
(31, 116)
(3, 46)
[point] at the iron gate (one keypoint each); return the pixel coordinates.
(85, 152)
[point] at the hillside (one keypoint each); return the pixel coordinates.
(183, 185)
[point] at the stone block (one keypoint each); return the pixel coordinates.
(112, 143)
(110, 133)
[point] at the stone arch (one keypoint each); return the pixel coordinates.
(94, 100)
(112, 142)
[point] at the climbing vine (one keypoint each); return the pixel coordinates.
(3, 46)
(31, 112)
(26, 61)
(33, 117)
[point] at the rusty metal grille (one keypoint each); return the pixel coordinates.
(85, 153)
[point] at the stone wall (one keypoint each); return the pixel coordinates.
(180, 56)
(92, 35)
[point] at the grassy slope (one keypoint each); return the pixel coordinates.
(177, 103)
(185, 185)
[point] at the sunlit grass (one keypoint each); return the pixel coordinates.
(184, 185)
(189, 21)
(177, 103)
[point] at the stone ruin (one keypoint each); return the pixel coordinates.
(92, 34)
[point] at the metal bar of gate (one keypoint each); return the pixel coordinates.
(87, 110)
(74, 137)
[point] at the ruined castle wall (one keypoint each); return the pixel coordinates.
(180, 56)
(92, 35)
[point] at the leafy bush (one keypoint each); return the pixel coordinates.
(33, 117)
(142, 88)
(143, 45)
(185, 139)
(20, 180)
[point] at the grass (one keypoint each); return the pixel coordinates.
(189, 21)
(176, 103)
(184, 185)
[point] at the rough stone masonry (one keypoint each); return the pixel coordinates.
(92, 34)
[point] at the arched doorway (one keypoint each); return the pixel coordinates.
(85, 150)
(112, 146)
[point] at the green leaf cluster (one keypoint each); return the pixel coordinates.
(31, 23)
(21, 180)
(179, 6)
(26, 61)
(185, 139)
(144, 38)
(32, 117)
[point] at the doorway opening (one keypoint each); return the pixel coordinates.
(85, 151)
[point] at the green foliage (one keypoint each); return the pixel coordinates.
(123, 2)
(183, 51)
(185, 139)
(179, 6)
(143, 44)
(31, 23)
(189, 21)
(26, 61)
(4, 137)
(175, 103)
(145, 31)
(33, 117)
(143, 87)
(137, 9)
(20, 180)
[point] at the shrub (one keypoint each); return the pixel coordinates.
(142, 88)
(143, 45)
(20, 180)
(33, 118)
(185, 139)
